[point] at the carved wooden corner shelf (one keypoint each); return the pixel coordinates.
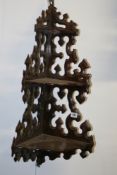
(53, 84)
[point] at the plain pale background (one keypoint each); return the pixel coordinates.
(97, 21)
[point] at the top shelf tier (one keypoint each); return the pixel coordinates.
(53, 82)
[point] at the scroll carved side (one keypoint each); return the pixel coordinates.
(29, 125)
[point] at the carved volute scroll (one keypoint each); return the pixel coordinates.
(54, 84)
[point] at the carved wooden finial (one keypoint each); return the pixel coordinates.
(51, 2)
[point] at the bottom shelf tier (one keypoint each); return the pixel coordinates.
(52, 143)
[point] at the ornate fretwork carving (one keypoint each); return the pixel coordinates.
(51, 96)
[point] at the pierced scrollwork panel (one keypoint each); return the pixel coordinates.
(45, 54)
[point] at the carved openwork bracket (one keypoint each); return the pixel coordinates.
(54, 84)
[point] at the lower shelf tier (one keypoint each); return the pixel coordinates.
(52, 143)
